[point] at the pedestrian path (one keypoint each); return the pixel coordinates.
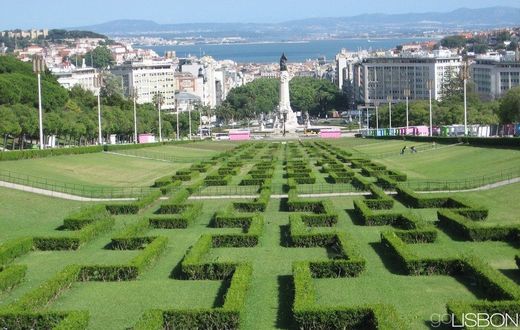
(61, 195)
(71, 197)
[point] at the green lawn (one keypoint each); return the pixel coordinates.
(23, 214)
(99, 170)
(118, 305)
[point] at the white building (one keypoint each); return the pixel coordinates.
(495, 75)
(148, 78)
(377, 78)
(345, 62)
(70, 76)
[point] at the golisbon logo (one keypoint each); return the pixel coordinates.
(476, 320)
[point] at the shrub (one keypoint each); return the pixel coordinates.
(48, 291)
(85, 216)
(78, 238)
(360, 182)
(14, 248)
(10, 276)
(457, 222)
(32, 154)
(134, 207)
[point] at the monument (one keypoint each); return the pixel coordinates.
(286, 121)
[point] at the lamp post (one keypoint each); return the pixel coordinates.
(200, 122)
(98, 83)
(38, 68)
(189, 116)
(376, 104)
(135, 95)
(284, 114)
(368, 121)
(465, 77)
(159, 101)
(407, 95)
(430, 87)
(389, 99)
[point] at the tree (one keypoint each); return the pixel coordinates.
(453, 41)
(9, 125)
(100, 57)
(509, 110)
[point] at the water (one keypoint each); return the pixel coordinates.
(270, 52)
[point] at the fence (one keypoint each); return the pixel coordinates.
(468, 183)
(71, 188)
(231, 190)
(160, 156)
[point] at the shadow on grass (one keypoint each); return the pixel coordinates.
(451, 234)
(176, 272)
(221, 294)
(469, 283)
(356, 220)
(389, 260)
(285, 236)
(283, 205)
(284, 318)
(513, 274)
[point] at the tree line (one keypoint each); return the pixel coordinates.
(317, 97)
(72, 115)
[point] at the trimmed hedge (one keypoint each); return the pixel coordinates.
(166, 221)
(378, 200)
(134, 207)
(48, 320)
(11, 275)
(225, 317)
(126, 272)
(32, 154)
(412, 199)
(360, 182)
(458, 222)
(85, 216)
(77, 239)
(15, 248)
(308, 315)
(257, 205)
(46, 292)
(252, 225)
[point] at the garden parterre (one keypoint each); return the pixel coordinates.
(260, 263)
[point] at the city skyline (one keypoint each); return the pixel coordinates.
(226, 11)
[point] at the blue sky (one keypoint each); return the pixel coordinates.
(70, 13)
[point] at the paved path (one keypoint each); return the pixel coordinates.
(88, 199)
(60, 194)
(484, 187)
(133, 156)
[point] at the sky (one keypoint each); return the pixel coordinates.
(67, 13)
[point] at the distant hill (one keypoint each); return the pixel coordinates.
(367, 23)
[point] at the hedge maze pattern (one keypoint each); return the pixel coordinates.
(313, 223)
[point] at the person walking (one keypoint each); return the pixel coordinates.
(403, 150)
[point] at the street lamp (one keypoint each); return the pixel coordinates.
(430, 87)
(389, 99)
(376, 104)
(189, 116)
(98, 82)
(38, 68)
(407, 95)
(465, 77)
(135, 96)
(159, 101)
(284, 117)
(177, 114)
(200, 122)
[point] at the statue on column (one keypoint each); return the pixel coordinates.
(283, 62)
